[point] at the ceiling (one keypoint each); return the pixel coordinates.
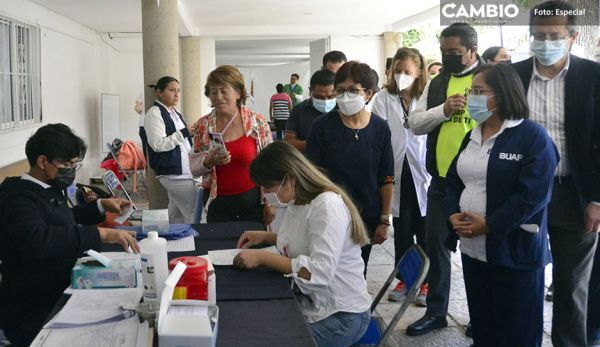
(265, 31)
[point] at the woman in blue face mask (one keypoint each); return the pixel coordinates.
(498, 186)
(319, 240)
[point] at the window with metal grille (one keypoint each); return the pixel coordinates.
(20, 75)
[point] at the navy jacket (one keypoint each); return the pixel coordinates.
(582, 123)
(168, 163)
(519, 186)
(40, 240)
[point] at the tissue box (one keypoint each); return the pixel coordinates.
(155, 220)
(188, 322)
(124, 271)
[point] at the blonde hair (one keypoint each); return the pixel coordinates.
(279, 159)
(227, 75)
(405, 53)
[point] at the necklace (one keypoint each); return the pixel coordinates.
(355, 133)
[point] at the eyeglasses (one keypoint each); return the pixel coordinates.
(543, 37)
(352, 92)
(476, 91)
(75, 167)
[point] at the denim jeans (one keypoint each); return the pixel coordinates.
(340, 329)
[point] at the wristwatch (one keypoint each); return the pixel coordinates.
(386, 219)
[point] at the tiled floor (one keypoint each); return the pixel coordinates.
(381, 265)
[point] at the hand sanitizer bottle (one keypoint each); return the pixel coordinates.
(155, 265)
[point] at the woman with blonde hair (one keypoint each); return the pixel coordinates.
(320, 239)
(236, 197)
(409, 205)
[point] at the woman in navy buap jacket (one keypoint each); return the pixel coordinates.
(498, 187)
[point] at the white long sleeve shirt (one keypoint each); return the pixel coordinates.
(317, 236)
(472, 168)
(160, 142)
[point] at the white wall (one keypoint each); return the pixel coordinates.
(126, 71)
(267, 77)
(76, 66)
(367, 49)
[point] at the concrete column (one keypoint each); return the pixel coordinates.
(191, 83)
(161, 58)
(391, 42)
(208, 62)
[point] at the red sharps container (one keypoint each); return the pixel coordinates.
(193, 284)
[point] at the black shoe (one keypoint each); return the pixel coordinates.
(425, 325)
(469, 330)
(550, 293)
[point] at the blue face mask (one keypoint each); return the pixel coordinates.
(549, 52)
(477, 107)
(324, 106)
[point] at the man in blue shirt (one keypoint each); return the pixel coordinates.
(321, 101)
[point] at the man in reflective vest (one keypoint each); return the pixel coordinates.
(442, 114)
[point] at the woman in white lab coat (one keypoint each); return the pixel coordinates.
(394, 103)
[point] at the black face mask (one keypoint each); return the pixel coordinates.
(453, 63)
(64, 178)
(507, 62)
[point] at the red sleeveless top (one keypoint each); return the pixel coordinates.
(234, 178)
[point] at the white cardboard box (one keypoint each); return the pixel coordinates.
(155, 220)
(179, 323)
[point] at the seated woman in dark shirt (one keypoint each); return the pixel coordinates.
(356, 151)
(41, 237)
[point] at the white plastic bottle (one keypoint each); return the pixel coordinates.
(155, 265)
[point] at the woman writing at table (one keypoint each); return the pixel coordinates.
(320, 237)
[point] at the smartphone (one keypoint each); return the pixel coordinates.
(216, 140)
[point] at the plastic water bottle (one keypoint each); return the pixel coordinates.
(155, 265)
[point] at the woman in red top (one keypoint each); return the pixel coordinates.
(245, 133)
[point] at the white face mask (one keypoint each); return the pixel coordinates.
(351, 106)
(403, 81)
(273, 200)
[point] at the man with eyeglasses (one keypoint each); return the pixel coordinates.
(41, 237)
(563, 92)
(321, 101)
(442, 114)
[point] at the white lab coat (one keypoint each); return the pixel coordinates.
(404, 142)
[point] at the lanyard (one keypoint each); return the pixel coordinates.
(405, 118)
(229, 124)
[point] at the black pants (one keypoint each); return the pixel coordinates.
(593, 312)
(245, 207)
(573, 253)
(144, 141)
(436, 231)
(410, 223)
(505, 305)
(280, 128)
